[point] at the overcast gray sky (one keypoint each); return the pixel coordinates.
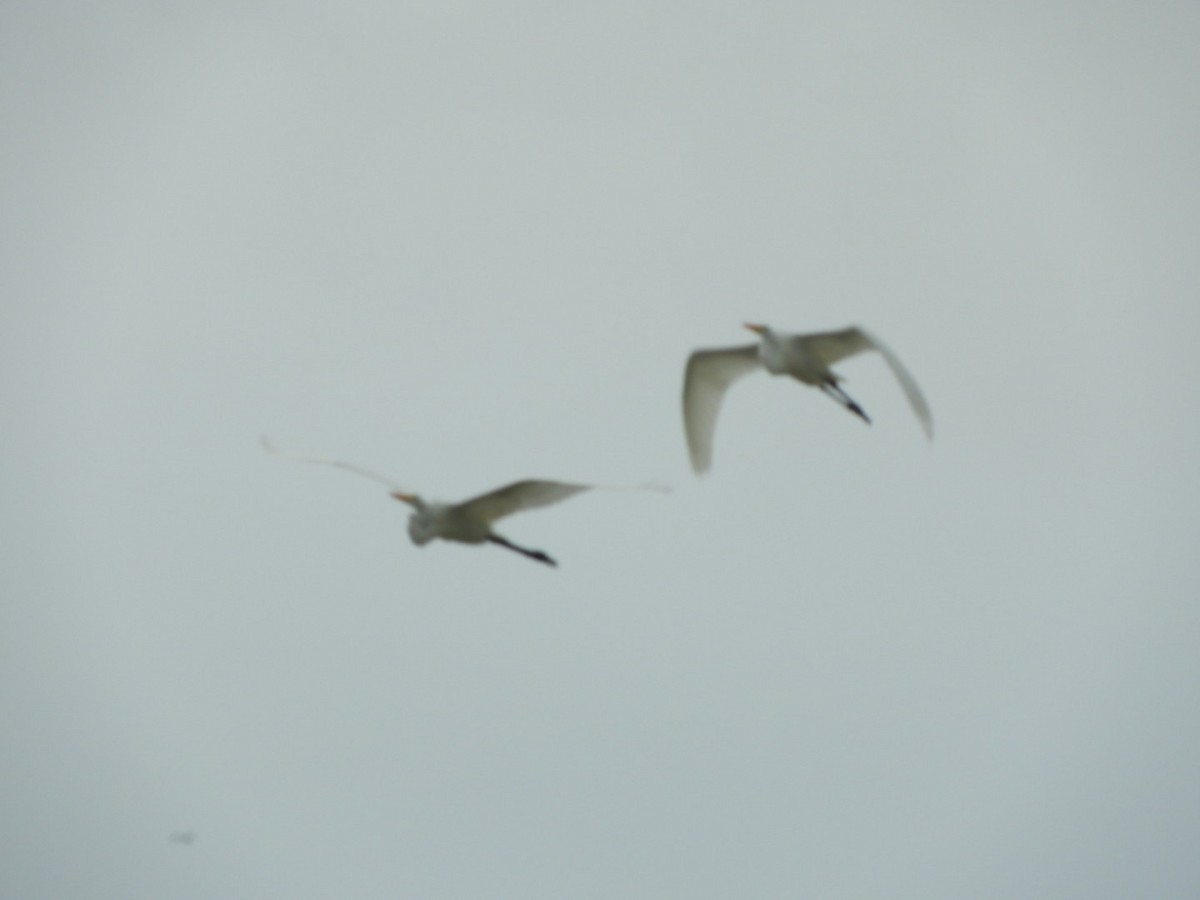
(467, 242)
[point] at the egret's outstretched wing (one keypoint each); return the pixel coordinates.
(830, 347)
(337, 463)
(518, 496)
(709, 374)
(912, 391)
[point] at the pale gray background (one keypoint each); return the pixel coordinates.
(465, 242)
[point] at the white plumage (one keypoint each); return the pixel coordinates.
(806, 357)
(470, 521)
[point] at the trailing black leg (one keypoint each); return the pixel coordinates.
(532, 554)
(834, 390)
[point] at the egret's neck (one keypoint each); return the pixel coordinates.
(422, 524)
(771, 351)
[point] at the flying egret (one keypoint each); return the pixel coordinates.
(806, 357)
(469, 522)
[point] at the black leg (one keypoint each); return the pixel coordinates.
(834, 390)
(532, 554)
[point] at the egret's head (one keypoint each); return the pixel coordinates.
(422, 524)
(760, 330)
(411, 499)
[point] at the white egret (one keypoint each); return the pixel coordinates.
(806, 357)
(468, 522)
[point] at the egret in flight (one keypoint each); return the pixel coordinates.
(806, 357)
(468, 522)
